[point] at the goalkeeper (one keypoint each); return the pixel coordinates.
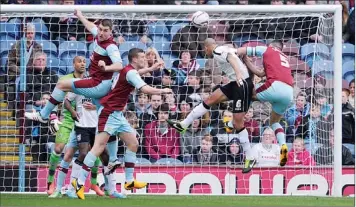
(278, 89)
(66, 127)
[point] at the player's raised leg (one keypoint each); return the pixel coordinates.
(280, 95)
(216, 97)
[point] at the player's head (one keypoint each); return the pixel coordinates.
(209, 46)
(276, 44)
(137, 58)
(105, 29)
(79, 63)
(268, 136)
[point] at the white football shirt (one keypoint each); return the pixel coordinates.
(266, 156)
(87, 118)
(220, 54)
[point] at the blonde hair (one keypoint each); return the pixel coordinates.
(154, 51)
(208, 138)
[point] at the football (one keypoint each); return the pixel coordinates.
(200, 19)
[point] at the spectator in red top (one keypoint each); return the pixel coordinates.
(299, 155)
(162, 141)
(252, 126)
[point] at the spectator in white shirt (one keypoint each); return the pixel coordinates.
(267, 151)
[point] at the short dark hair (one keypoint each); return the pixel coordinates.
(106, 23)
(163, 108)
(277, 43)
(198, 74)
(133, 53)
(352, 82)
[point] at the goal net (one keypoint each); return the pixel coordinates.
(206, 159)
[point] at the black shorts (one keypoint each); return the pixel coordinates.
(85, 134)
(240, 95)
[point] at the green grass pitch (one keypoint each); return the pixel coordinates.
(162, 200)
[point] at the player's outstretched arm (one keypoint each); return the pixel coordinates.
(251, 51)
(154, 67)
(254, 69)
(154, 91)
(88, 24)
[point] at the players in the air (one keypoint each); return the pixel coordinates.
(112, 121)
(66, 127)
(104, 61)
(278, 89)
(239, 90)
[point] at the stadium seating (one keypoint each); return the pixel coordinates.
(312, 49)
(126, 46)
(348, 70)
(298, 65)
(49, 48)
(72, 48)
(9, 29)
(291, 48)
(53, 64)
(240, 40)
(7, 38)
(162, 47)
(41, 30)
(348, 52)
(169, 59)
(157, 29)
(324, 68)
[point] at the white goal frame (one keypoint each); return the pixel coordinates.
(337, 19)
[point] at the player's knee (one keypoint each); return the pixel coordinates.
(58, 148)
(68, 157)
(133, 145)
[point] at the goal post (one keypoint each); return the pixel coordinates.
(250, 10)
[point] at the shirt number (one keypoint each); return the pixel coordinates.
(284, 61)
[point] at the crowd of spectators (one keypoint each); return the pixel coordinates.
(308, 121)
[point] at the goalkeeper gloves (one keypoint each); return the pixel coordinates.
(54, 123)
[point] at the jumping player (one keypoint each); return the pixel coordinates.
(112, 121)
(104, 61)
(239, 90)
(278, 89)
(66, 127)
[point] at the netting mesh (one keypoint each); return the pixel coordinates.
(180, 163)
